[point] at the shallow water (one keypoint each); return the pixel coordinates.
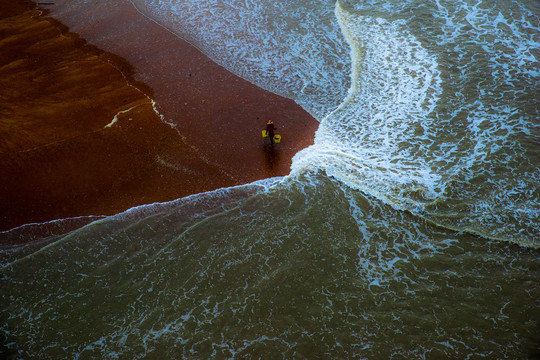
(408, 230)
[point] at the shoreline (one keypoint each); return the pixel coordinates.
(83, 134)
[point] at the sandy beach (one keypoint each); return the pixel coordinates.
(81, 136)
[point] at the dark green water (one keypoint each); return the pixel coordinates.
(291, 269)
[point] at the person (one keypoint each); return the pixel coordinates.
(270, 127)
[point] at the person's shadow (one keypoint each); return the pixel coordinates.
(272, 159)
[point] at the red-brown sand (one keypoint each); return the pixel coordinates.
(59, 159)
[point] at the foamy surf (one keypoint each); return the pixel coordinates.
(392, 125)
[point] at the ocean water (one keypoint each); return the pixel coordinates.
(409, 230)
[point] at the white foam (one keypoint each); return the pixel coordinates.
(383, 130)
(395, 86)
(291, 48)
(115, 118)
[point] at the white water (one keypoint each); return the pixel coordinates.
(442, 125)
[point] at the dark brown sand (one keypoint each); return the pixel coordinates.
(59, 159)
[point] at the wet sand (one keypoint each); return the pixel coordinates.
(63, 156)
